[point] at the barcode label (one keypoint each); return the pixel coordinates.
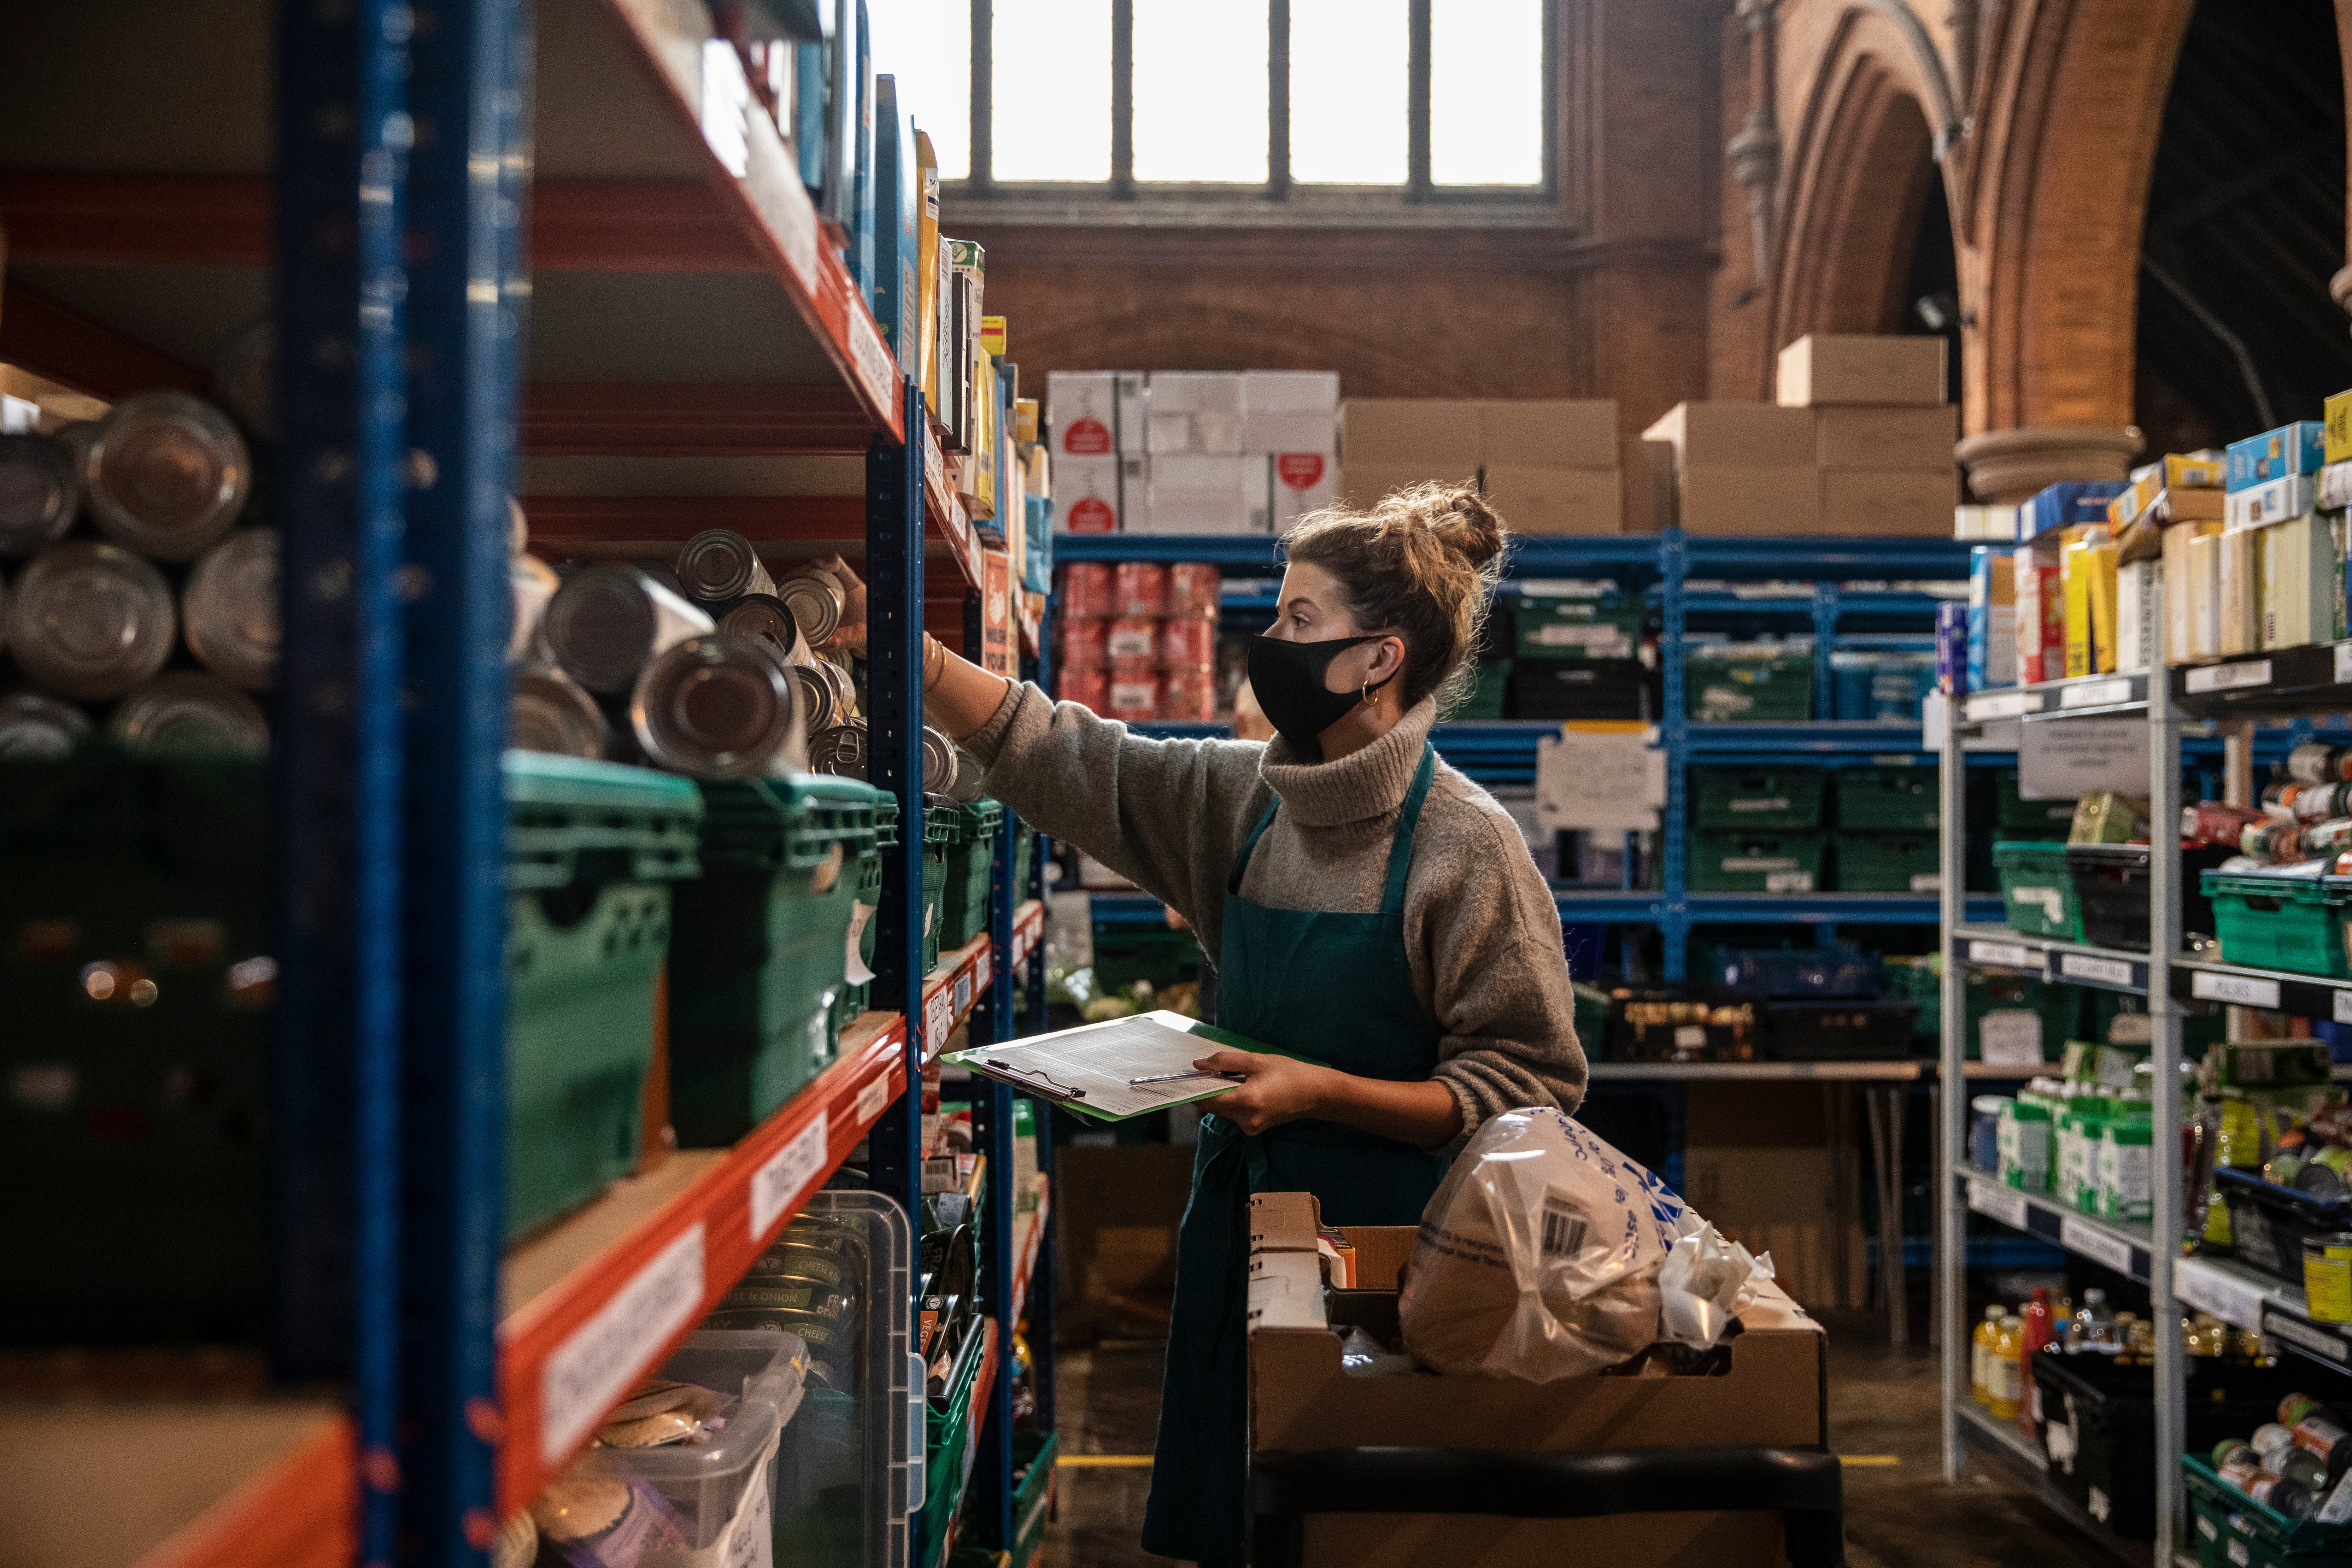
(1564, 1225)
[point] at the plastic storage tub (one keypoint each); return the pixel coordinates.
(136, 1209)
(2037, 890)
(1841, 971)
(1714, 1025)
(1580, 689)
(2268, 1222)
(592, 850)
(1886, 800)
(953, 1441)
(2234, 1530)
(1888, 863)
(1837, 1031)
(1881, 688)
(2111, 890)
(942, 824)
(2295, 924)
(971, 855)
(1748, 799)
(1738, 684)
(760, 949)
(1756, 863)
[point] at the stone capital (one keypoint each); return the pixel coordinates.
(2012, 464)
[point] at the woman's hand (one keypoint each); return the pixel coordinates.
(1274, 1090)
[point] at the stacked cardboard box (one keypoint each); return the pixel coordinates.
(1098, 437)
(1742, 468)
(1290, 419)
(1551, 465)
(2277, 577)
(1194, 451)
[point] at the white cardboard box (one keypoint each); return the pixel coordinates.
(1290, 391)
(1086, 495)
(1197, 392)
(1290, 433)
(2290, 495)
(1082, 407)
(1300, 482)
(2135, 630)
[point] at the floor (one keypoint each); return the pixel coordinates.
(1881, 1405)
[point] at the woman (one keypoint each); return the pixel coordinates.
(1367, 907)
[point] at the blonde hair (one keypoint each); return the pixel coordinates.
(1422, 563)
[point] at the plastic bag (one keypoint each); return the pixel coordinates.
(1704, 1283)
(1539, 1255)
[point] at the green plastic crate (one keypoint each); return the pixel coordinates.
(1887, 863)
(1553, 627)
(2018, 818)
(133, 1133)
(1126, 954)
(2037, 890)
(2295, 924)
(2232, 1531)
(971, 855)
(1748, 799)
(592, 850)
(853, 999)
(1488, 696)
(1024, 856)
(1887, 799)
(1033, 1453)
(1739, 689)
(940, 826)
(949, 1449)
(759, 949)
(1756, 862)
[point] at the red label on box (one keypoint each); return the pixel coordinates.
(1299, 471)
(1087, 438)
(1092, 515)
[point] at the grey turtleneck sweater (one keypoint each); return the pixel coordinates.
(1482, 933)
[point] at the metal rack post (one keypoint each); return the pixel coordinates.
(990, 1488)
(2164, 897)
(1951, 1097)
(1674, 730)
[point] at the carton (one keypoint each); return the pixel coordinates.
(2138, 646)
(1300, 482)
(1290, 391)
(2237, 630)
(1362, 484)
(1204, 494)
(1214, 392)
(1772, 501)
(1888, 437)
(2175, 472)
(1649, 484)
(2297, 449)
(1991, 525)
(1737, 435)
(1888, 500)
(1549, 433)
(2289, 495)
(1440, 435)
(1290, 433)
(897, 225)
(2337, 418)
(1083, 409)
(1558, 500)
(2086, 579)
(2070, 504)
(2205, 595)
(1774, 1393)
(2299, 578)
(2180, 600)
(1086, 495)
(1993, 619)
(2040, 615)
(1826, 367)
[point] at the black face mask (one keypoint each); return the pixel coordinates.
(1288, 678)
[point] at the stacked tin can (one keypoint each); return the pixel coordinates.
(1138, 640)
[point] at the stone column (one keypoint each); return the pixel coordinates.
(2012, 464)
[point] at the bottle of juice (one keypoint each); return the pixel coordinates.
(1981, 1354)
(2039, 1328)
(2005, 1369)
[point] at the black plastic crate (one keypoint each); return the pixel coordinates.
(2268, 1222)
(2098, 1425)
(1580, 688)
(2111, 886)
(1844, 970)
(1835, 1030)
(1629, 1039)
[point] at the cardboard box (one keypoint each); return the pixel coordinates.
(1558, 500)
(1993, 619)
(1888, 500)
(2040, 615)
(1649, 470)
(1748, 500)
(2335, 483)
(1290, 433)
(1086, 409)
(2205, 595)
(1578, 433)
(1086, 495)
(1000, 649)
(2180, 601)
(1826, 367)
(1748, 435)
(2138, 646)
(2337, 418)
(1299, 483)
(1363, 484)
(1290, 391)
(2087, 578)
(2238, 630)
(2073, 503)
(2175, 472)
(2289, 495)
(1197, 392)
(1201, 494)
(2299, 578)
(1301, 1398)
(1991, 524)
(2297, 449)
(1440, 435)
(1919, 439)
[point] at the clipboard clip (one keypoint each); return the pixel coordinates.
(1051, 1087)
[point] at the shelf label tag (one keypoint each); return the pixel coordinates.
(2284, 1325)
(2087, 1240)
(588, 1372)
(2012, 954)
(871, 1100)
(1994, 1201)
(2095, 694)
(2228, 1298)
(964, 992)
(939, 1021)
(2229, 677)
(777, 1183)
(873, 361)
(2243, 990)
(2115, 972)
(2004, 704)
(2344, 1006)
(2344, 664)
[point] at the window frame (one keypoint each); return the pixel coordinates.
(1280, 199)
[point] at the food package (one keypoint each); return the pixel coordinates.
(1538, 1258)
(1704, 1284)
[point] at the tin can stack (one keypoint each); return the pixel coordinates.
(1139, 641)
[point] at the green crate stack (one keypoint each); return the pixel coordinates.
(1550, 626)
(2037, 890)
(760, 953)
(1887, 863)
(947, 1438)
(1024, 854)
(136, 1047)
(592, 850)
(1033, 1453)
(1749, 800)
(1740, 683)
(854, 999)
(941, 828)
(1786, 862)
(1486, 699)
(1887, 799)
(971, 855)
(2295, 924)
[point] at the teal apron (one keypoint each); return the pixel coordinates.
(1337, 988)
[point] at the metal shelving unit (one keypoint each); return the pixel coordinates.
(680, 335)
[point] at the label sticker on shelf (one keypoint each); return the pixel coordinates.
(777, 1183)
(964, 992)
(2229, 677)
(2095, 694)
(589, 1372)
(2098, 971)
(873, 361)
(2086, 1240)
(2344, 1006)
(2243, 990)
(2226, 1297)
(2004, 704)
(871, 1100)
(1994, 1201)
(939, 1021)
(2284, 1325)
(2015, 956)
(1689, 1036)
(2344, 664)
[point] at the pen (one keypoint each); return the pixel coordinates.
(1181, 1077)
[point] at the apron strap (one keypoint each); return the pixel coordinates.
(1249, 847)
(1408, 817)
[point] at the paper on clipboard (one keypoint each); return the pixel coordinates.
(1086, 1069)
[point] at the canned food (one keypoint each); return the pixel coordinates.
(841, 749)
(37, 727)
(834, 1259)
(2315, 803)
(1139, 588)
(2315, 762)
(938, 761)
(1187, 645)
(1192, 589)
(718, 564)
(793, 1296)
(189, 714)
(91, 621)
(2327, 1276)
(1083, 644)
(1089, 688)
(1086, 591)
(167, 475)
(1133, 644)
(820, 697)
(2328, 837)
(816, 600)
(609, 622)
(547, 711)
(716, 706)
(2278, 799)
(1189, 695)
(39, 494)
(2325, 1174)
(763, 617)
(2213, 822)
(533, 585)
(228, 611)
(1134, 697)
(967, 787)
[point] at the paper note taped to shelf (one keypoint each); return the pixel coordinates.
(963, 993)
(2061, 762)
(2009, 954)
(2344, 1006)
(777, 1183)
(2095, 694)
(2344, 664)
(2244, 990)
(2085, 1239)
(588, 1372)
(2226, 1297)
(939, 1021)
(1994, 1201)
(2229, 677)
(2116, 971)
(1600, 776)
(873, 361)
(2010, 1037)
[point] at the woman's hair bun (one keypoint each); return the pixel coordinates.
(1461, 517)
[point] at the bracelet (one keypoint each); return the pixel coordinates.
(933, 669)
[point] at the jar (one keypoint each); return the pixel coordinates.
(1139, 588)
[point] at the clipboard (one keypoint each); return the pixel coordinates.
(1086, 1069)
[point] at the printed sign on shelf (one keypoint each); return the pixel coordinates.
(2061, 762)
(588, 1372)
(777, 1183)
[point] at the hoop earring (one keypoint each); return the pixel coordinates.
(1368, 692)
